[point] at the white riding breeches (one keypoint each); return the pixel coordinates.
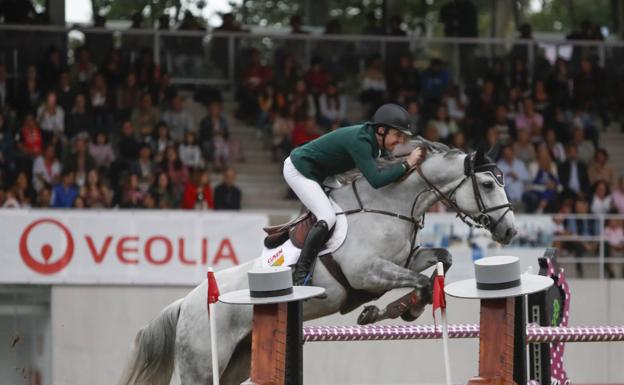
(310, 193)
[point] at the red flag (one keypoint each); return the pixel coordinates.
(439, 300)
(213, 288)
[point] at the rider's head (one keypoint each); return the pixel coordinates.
(392, 125)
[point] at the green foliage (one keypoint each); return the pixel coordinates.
(558, 16)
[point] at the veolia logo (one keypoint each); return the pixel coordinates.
(50, 261)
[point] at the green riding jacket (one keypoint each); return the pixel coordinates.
(343, 150)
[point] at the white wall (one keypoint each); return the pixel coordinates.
(92, 329)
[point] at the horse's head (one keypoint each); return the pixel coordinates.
(481, 195)
(475, 189)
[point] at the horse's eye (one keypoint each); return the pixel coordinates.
(488, 184)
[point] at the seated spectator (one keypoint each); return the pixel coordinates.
(431, 132)
(95, 193)
(161, 141)
(618, 196)
(588, 85)
(144, 168)
(80, 119)
(23, 191)
(614, 246)
(286, 74)
(145, 116)
(443, 123)
(65, 92)
(46, 169)
(227, 195)
(79, 161)
(29, 94)
(523, 148)
(51, 117)
(44, 197)
(573, 173)
(83, 69)
(10, 200)
(163, 193)
(128, 96)
(102, 151)
(283, 126)
(30, 139)
(415, 118)
(178, 119)
(584, 227)
(333, 107)
(131, 194)
(600, 168)
(481, 110)
(558, 84)
(316, 79)
(404, 81)
(190, 154)
(252, 80)
(601, 202)
(555, 147)
(305, 132)
(302, 102)
(434, 81)
(266, 98)
(373, 91)
(585, 147)
(519, 77)
(515, 173)
(101, 103)
(531, 121)
(162, 91)
(176, 171)
(198, 193)
(542, 194)
(214, 136)
(502, 124)
(456, 103)
(64, 193)
(458, 141)
(542, 100)
(514, 103)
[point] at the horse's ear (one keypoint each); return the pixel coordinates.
(479, 156)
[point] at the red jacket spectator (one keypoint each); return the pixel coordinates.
(305, 132)
(197, 197)
(316, 78)
(30, 136)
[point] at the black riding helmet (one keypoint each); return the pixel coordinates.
(392, 115)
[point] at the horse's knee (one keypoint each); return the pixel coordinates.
(444, 256)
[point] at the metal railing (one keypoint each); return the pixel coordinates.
(171, 47)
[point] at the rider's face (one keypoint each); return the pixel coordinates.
(393, 138)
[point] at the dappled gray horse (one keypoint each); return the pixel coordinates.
(378, 255)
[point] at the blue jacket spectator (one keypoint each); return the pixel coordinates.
(64, 194)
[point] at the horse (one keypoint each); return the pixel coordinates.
(377, 255)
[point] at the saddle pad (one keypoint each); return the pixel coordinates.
(287, 254)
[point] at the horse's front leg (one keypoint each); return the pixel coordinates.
(381, 275)
(410, 306)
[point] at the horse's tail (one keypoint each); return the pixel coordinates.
(151, 361)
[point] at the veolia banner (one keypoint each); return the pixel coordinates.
(124, 247)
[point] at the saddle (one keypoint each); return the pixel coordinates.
(296, 230)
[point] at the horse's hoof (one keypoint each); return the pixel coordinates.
(368, 315)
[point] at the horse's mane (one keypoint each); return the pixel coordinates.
(401, 153)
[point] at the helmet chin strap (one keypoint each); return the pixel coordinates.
(383, 136)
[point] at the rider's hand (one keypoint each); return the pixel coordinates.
(416, 156)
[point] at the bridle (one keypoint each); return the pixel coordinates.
(482, 219)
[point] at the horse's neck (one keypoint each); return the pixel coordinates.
(444, 173)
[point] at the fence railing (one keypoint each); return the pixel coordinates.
(200, 57)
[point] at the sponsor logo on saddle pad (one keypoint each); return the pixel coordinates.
(277, 259)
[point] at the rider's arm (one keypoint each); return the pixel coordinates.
(371, 169)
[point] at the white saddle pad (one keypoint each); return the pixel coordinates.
(287, 254)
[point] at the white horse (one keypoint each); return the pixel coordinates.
(374, 257)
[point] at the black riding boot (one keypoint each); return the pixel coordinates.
(314, 241)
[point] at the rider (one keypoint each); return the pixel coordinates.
(339, 151)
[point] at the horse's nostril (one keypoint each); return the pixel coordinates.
(510, 233)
